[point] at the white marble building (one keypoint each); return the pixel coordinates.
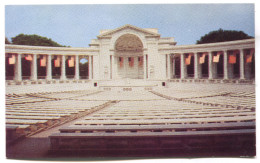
(130, 52)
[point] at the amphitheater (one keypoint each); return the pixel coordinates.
(140, 96)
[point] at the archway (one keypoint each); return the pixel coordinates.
(129, 57)
(83, 67)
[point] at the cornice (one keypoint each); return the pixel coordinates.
(47, 50)
(127, 26)
(240, 44)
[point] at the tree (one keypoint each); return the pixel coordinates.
(7, 41)
(34, 40)
(223, 35)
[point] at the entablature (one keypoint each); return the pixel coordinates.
(222, 46)
(24, 49)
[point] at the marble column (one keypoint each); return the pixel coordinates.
(210, 65)
(49, 67)
(173, 67)
(197, 66)
(76, 77)
(90, 74)
(34, 67)
(183, 67)
(115, 69)
(113, 64)
(168, 66)
(63, 68)
(145, 66)
(241, 64)
(230, 68)
(248, 70)
(225, 66)
(18, 68)
(214, 69)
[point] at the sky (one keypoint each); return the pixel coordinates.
(76, 25)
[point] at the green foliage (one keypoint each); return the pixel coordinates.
(223, 35)
(7, 41)
(34, 40)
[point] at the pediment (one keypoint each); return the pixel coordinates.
(146, 32)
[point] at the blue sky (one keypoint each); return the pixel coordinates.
(76, 25)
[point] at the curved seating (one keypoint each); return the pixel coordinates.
(159, 125)
(27, 114)
(164, 119)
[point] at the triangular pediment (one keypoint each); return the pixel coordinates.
(128, 26)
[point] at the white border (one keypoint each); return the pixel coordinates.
(39, 2)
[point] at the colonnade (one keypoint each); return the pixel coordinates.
(231, 60)
(46, 61)
(243, 57)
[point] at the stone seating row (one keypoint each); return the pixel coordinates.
(191, 93)
(122, 96)
(173, 113)
(157, 128)
(27, 119)
(118, 114)
(56, 104)
(45, 96)
(43, 111)
(44, 116)
(176, 116)
(66, 94)
(35, 113)
(233, 101)
(242, 94)
(167, 121)
(41, 81)
(158, 125)
(22, 99)
(170, 108)
(223, 101)
(191, 90)
(163, 139)
(233, 81)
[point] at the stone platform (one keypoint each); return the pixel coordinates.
(129, 84)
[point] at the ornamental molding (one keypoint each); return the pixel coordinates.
(24, 49)
(222, 46)
(126, 27)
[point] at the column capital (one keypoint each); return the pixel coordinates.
(203, 52)
(225, 51)
(241, 49)
(34, 53)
